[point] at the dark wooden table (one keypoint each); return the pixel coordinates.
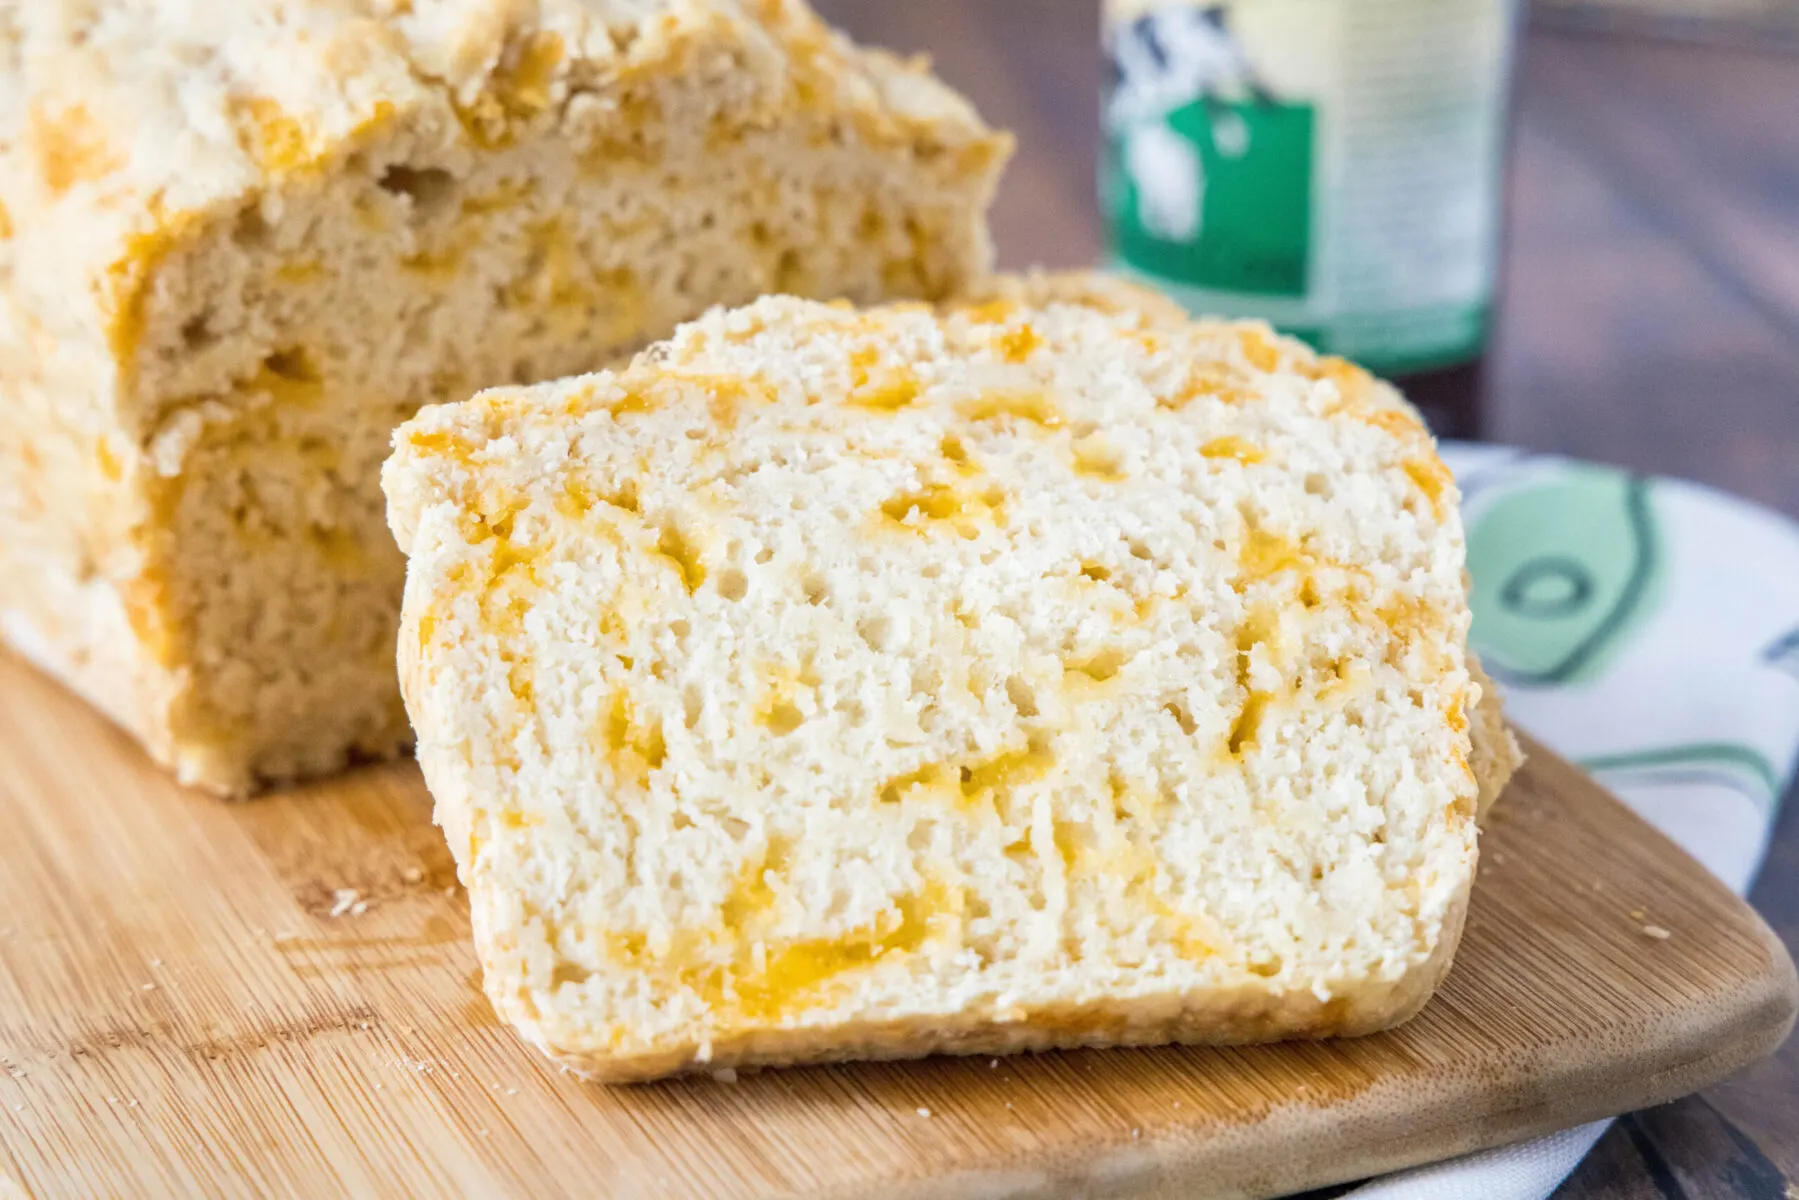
(1650, 319)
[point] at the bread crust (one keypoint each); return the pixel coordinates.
(1496, 756)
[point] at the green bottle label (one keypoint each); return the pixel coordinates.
(1329, 165)
(1249, 188)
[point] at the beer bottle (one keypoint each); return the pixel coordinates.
(1332, 166)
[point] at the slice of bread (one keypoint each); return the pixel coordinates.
(242, 240)
(1043, 671)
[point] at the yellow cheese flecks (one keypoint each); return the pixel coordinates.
(1095, 458)
(630, 136)
(275, 141)
(746, 977)
(634, 746)
(989, 312)
(1259, 350)
(1244, 452)
(1396, 422)
(125, 288)
(1033, 407)
(795, 973)
(523, 83)
(976, 781)
(1210, 382)
(520, 88)
(883, 389)
(1432, 479)
(71, 148)
(941, 506)
(441, 442)
(1261, 629)
(1098, 668)
(1018, 344)
(1267, 554)
(680, 552)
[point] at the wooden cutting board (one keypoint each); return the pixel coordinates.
(280, 997)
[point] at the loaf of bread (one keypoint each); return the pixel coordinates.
(1043, 671)
(242, 240)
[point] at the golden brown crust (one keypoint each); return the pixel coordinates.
(1495, 755)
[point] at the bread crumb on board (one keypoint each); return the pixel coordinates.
(1657, 932)
(347, 902)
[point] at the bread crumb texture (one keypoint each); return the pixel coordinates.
(241, 240)
(1045, 669)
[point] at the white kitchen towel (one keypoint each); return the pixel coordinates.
(1647, 629)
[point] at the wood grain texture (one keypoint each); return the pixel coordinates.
(181, 1012)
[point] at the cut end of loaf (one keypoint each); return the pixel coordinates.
(267, 233)
(1040, 670)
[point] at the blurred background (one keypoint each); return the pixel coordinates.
(1649, 277)
(1647, 316)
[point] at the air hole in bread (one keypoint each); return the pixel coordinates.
(675, 546)
(625, 497)
(1182, 716)
(294, 364)
(875, 632)
(251, 229)
(783, 718)
(429, 190)
(568, 973)
(1100, 667)
(1023, 698)
(731, 584)
(197, 332)
(814, 588)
